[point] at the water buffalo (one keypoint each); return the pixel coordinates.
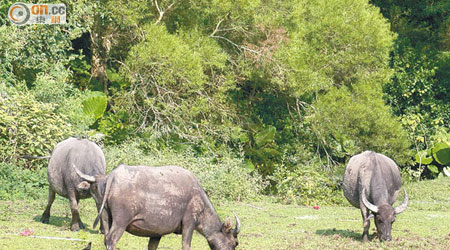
(155, 201)
(372, 182)
(63, 179)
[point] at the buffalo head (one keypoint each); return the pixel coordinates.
(226, 238)
(95, 184)
(384, 215)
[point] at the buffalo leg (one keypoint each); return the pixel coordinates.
(80, 223)
(113, 235)
(46, 215)
(186, 235)
(76, 223)
(102, 219)
(153, 243)
(118, 225)
(366, 223)
(104, 222)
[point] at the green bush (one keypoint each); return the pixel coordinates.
(54, 88)
(306, 185)
(349, 121)
(115, 128)
(223, 178)
(20, 184)
(28, 127)
(436, 158)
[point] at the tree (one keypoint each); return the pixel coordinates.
(331, 70)
(420, 87)
(177, 86)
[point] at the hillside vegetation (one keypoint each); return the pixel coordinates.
(256, 97)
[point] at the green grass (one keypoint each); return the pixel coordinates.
(265, 225)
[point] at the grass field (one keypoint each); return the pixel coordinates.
(265, 225)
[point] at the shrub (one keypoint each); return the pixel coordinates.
(306, 185)
(52, 87)
(82, 108)
(72, 107)
(28, 127)
(435, 160)
(18, 183)
(223, 178)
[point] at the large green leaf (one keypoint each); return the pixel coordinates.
(265, 136)
(423, 158)
(441, 153)
(433, 168)
(95, 106)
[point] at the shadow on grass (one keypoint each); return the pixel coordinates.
(341, 233)
(59, 221)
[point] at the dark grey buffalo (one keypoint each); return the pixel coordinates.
(64, 180)
(155, 201)
(372, 182)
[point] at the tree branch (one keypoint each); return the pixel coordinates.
(234, 44)
(161, 12)
(217, 28)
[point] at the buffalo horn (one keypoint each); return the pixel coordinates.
(86, 177)
(404, 204)
(237, 229)
(369, 205)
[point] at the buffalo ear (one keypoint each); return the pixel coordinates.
(227, 226)
(84, 185)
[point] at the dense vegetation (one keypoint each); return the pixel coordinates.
(255, 96)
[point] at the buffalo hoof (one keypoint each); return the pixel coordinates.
(45, 220)
(365, 238)
(75, 227)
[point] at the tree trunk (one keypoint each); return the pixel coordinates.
(100, 47)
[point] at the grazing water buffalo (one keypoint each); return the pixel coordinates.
(63, 179)
(372, 182)
(155, 201)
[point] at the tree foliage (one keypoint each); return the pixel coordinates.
(334, 44)
(419, 90)
(349, 122)
(177, 86)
